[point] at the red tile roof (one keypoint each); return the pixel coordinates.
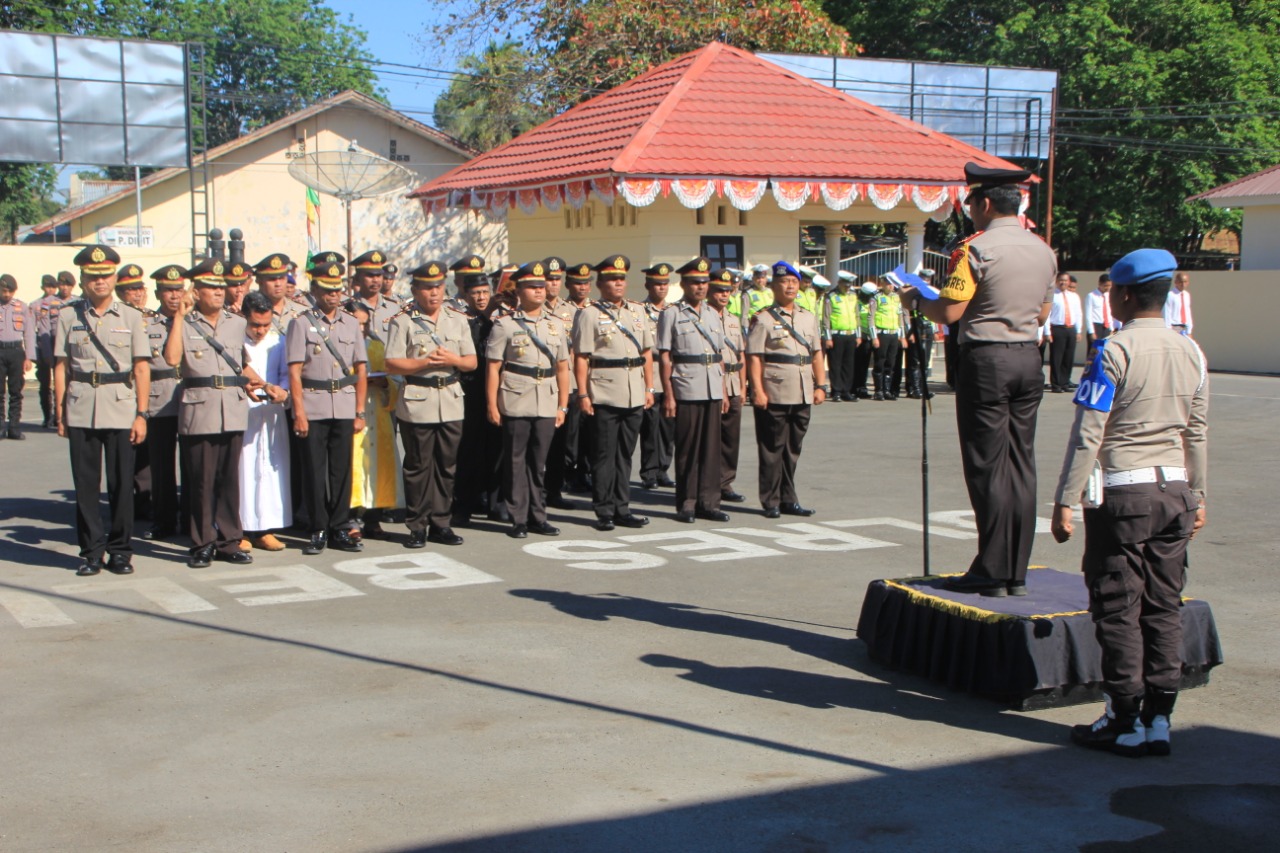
(720, 112)
(1264, 183)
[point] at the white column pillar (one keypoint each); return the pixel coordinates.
(915, 245)
(833, 232)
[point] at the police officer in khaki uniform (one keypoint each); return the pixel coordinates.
(131, 290)
(101, 384)
(131, 286)
(45, 313)
(1143, 418)
(579, 432)
(478, 481)
(657, 433)
(720, 294)
(237, 275)
(784, 357)
(999, 288)
(17, 352)
(272, 276)
(562, 456)
(162, 407)
(327, 387)
(368, 296)
(612, 358)
(390, 272)
(465, 270)
(528, 396)
(207, 346)
(690, 342)
(431, 347)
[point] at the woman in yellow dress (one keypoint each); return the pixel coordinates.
(376, 484)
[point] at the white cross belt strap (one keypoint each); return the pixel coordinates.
(1145, 475)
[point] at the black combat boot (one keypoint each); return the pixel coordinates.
(1157, 707)
(1119, 729)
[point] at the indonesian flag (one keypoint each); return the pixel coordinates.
(313, 223)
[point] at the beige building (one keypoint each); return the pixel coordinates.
(250, 188)
(1258, 197)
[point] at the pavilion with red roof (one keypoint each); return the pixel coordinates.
(717, 152)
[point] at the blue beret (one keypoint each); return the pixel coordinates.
(1143, 266)
(782, 268)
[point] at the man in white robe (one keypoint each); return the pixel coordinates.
(265, 503)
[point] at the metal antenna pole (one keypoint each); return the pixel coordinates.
(917, 330)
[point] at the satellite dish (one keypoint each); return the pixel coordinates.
(350, 175)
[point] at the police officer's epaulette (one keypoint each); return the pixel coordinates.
(455, 309)
(149, 312)
(134, 307)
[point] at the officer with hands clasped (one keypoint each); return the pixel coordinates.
(1141, 429)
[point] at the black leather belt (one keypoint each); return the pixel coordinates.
(617, 362)
(95, 379)
(218, 382)
(330, 385)
(977, 344)
(778, 358)
(11, 344)
(164, 373)
(527, 370)
(733, 368)
(705, 358)
(432, 381)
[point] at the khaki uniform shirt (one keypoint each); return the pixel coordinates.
(1010, 274)
(18, 325)
(1158, 415)
(735, 356)
(45, 311)
(380, 316)
(165, 393)
(596, 335)
(566, 312)
(678, 334)
(305, 345)
(122, 332)
(786, 384)
(281, 319)
(410, 336)
(211, 411)
(526, 396)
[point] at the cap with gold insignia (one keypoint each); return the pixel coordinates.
(985, 178)
(369, 262)
(327, 258)
(129, 277)
(578, 272)
(471, 265)
(657, 272)
(614, 266)
(532, 274)
(8, 282)
(326, 276)
(272, 266)
(555, 267)
(208, 273)
(722, 278)
(390, 270)
(430, 274)
(237, 273)
(782, 269)
(97, 260)
(169, 277)
(698, 269)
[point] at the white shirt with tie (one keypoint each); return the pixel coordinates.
(1066, 310)
(1098, 308)
(1177, 309)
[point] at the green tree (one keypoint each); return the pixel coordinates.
(490, 101)
(26, 196)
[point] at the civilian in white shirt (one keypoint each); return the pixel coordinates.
(1177, 307)
(265, 501)
(1066, 319)
(1097, 307)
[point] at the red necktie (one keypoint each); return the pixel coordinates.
(1106, 312)
(1066, 309)
(1183, 297)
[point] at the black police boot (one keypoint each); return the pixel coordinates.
(319, 541)
(1157, 707)
(417, 539)
(1118, 730)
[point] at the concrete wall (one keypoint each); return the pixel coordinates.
(1260, 238)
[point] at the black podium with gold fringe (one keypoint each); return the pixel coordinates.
(1032, 652)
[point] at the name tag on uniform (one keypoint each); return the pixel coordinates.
(605, 321)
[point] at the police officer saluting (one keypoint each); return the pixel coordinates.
(690, 340)
(528, 396)
(788, 376)
(162, 408)
(431, 347)
(614, 365)
(101, 383)
(327, 385)
(207, 345)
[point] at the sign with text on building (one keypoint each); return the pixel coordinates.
(128, 237)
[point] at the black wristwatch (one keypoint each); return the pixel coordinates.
(146, 416)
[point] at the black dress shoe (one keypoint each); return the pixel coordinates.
(772, 512)
(878, 396)
(417, 539)
(1017, 588)
(500, 515)
(605, 524)
(796, 509)
(319, 541)
(373, 530)
(89, 568)
(443, 536)
(16, 434)
(238, 557)
(685, 517)
(712, 515)
(519, 531)
(990, 587)
(543, 528)
(344, 541)
(630, 520)
(732, 497)
(666, 482)
(648, 484)
(1070, 386)
(560, 502)
(200, 557)
(158, 533)
(120, 564)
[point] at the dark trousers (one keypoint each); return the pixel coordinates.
(697, 443)
(162, 446)
(44, 377)
(214, 488)
(300, 519)
(656, 437)
(326, 473)
(779, 436)
(616, 433)
(1062, 355)
(88, 449)
(997, 398)
(557, 464)
(951, 353)
(730, 435)
(918, 357)
(841, 360)
(11, 378)
(142, 479)
(525, 445)
(862, 361)
(430, 460)
(1135, 555)
(887, 357)
(479, 455)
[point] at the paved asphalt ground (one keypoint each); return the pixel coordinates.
(603, 692)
